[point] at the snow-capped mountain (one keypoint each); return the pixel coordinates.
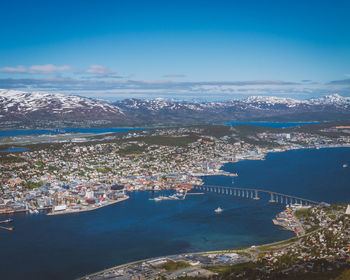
(156, 105)
(32, 107)
(332, 99)
(330, 107)
(273, 100)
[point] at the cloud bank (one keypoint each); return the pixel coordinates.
(36, 69)
(102, 82)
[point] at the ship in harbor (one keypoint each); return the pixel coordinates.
(175, 196)
(218, 210)
(9, 220)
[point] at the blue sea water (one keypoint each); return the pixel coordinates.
(68, 246)
(309, 173)
(13, 150)
(21, 132)
(272, 124)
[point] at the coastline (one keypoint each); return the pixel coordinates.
(71, 211)
(242, 252)
(239, 251)
(121, 263)
(246, 255)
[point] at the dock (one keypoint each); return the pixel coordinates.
(86, 209)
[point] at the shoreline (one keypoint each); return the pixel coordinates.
(246, 254)
(123, 265)
(86, 210)
(240, 251)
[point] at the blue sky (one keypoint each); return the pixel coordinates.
(176, 49)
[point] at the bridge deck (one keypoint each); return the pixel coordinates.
(272, 193)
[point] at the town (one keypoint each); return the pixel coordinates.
(65, 176)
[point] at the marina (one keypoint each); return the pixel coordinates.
(176, 196)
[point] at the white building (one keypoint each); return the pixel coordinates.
(89, 194)
(347, 212)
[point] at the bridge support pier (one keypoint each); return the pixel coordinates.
(256, 197)
(272, 200)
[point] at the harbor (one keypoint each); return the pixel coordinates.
(141, 228)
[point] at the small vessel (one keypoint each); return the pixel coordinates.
(6, 221)
(218, 210)
(345, 165)
(33, 211)
(159, 198)
(7, 228)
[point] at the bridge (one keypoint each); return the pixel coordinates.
(254, 194)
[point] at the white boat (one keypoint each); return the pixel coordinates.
(218, 210)
(33, 211)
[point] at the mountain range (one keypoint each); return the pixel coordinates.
(32, 108)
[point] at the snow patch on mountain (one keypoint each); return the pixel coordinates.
(332, 99)
(24, 102)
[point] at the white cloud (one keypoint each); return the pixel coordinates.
(48, 69)
(37, 69)
(174, 76)
(18, 69)
(99, 70)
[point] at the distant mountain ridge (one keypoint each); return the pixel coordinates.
(33, 107)
(19, 105)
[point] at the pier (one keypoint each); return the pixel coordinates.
(254, 194)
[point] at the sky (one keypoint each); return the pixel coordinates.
(191, 50)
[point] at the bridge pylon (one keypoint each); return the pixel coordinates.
(256, 196)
